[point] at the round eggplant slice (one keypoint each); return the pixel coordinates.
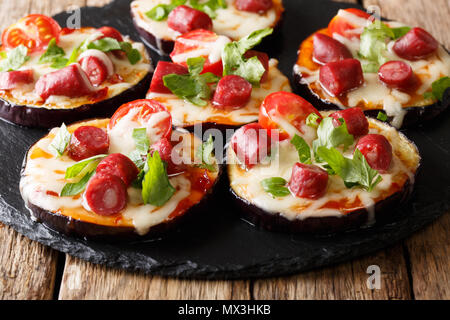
(403, 108)
(230, 22)
(42, 180)
(23, 106)
(340, 208)
(187, 115)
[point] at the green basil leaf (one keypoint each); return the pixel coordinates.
(370, 67)
(209, 7)
(141, 140)
(75, 53)
(382, 116)
(195, 65)
(61, 140)
(205, 153)
(105, 44)
(311, 120)
(354, 172)
(59, 62)
(303, 149)
(137, 158)
(78, 168)
(72, 189)
(400, 32)
(160, 12)
(438, 88)
(276, 186)
(15, 58)
(156, 187)
(330, 136)
(133, 55)
(52, 53)
(233, 57)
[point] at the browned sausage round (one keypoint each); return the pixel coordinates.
(88, 141)
(106, 194)
(397, 75)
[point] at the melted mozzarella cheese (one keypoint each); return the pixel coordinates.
(247, 183)
(131, 74)
(373, 94)
(185, 113)
(43, 179)
(230, 22)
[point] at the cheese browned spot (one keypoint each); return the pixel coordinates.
(130, 74)
(186, 114)
(338, 199)
(373, 94)
(43, 179)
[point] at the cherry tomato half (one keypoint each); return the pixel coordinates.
(147, 113)
(282, 109)
(33, 31)
(345, 27)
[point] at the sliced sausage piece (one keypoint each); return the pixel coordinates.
(97, 65)
(327, 49)
(110, 32)
(339, 77)
(397, 75)
(257, 6)
(70, 81)
(164, 148)
(377, 150)
(11, 79)
(416, 44)
(184, 19)
(232, 92)
(264, 58)
(106, 194)
(251, 144)
(162, 69)
(355, 120)
(308, 181)
(88, 141)
(117, 164)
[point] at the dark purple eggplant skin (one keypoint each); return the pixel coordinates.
(322, 225)
(48, 118)
(413, 116)
(152, 41)
(86, 230)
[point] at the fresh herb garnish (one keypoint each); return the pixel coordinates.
(382, 116)
(161, 11)
(276, 186)
(14, 58)
(192, 87)
(110, 44)
(61, 140)
(54, 55)
(79, 175)
(156, 187)
(209, 7)
(330, 136)
(438, 88)
(235, 63)
(142, 144)
(303, 149)
(354, 172)
(205, 153)
(311, 120)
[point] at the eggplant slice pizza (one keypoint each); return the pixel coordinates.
(214, 81)
(51, 75)
(160, 22)
(131, 175)
(301, 170)
(377, 66)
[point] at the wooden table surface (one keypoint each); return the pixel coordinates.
(417, 268)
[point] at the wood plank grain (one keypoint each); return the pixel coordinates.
(83, 280)
(344, 281)
(428, 250)
(27, 269)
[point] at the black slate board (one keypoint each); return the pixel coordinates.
(220, 245)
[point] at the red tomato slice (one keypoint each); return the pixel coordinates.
(145, 114)
(344, 27)
(110, 32)
(33, 31)
(200, 43)
(280, 107)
